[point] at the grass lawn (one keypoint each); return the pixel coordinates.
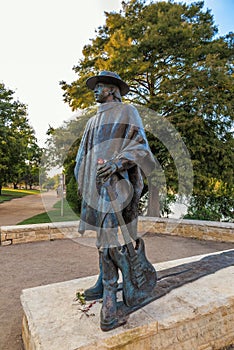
(53, 215)
(9, 194)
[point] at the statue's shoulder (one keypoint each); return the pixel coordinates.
(131, 110)
(129, 107)
(132, 114)
(90, 120)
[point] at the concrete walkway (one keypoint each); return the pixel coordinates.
(14, 211)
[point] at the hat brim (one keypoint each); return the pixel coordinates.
(92, 82)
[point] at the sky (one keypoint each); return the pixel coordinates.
(42, 40)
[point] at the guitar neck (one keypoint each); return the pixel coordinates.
(123, 227)
(128, 241)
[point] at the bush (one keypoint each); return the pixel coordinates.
(213, 208)
(72, 195)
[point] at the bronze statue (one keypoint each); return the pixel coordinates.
(111, 163)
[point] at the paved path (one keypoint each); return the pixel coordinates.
(14, 211)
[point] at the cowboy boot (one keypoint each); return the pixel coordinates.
(110, 283)
(96, 291)
(109, 319)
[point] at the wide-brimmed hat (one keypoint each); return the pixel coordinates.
(108, 78)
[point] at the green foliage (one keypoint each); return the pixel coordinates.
(213, 207)
(215, 203)
(175, 64)
(19, 153)
(49, 183)
(80, 297)
(72, 195)
(166, 204)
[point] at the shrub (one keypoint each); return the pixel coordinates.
(72, 195)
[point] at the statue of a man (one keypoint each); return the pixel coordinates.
(114, 151)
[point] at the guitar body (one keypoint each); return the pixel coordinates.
(139, 275)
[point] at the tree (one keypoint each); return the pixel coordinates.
(61, 148)
(18, 148)
(31, 166)
(176, 65)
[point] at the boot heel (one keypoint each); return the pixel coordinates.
(107, 326)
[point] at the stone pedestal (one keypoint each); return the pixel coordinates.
(196, 316)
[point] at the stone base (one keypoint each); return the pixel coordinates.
(197, 316)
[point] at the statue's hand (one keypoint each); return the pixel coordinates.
(106, 170)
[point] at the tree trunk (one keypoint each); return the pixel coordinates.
(0, 189)
(154, 204)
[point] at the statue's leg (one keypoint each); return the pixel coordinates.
(106, 236)
(96, 291)
(110, 283)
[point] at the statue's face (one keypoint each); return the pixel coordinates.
(103, 93)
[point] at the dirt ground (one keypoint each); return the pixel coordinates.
(29, 265)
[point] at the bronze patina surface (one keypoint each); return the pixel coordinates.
(112, 162)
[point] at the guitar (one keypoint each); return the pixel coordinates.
(139, 275)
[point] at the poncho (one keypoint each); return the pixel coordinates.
(115, 133)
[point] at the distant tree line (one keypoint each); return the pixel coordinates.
(19, 153)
